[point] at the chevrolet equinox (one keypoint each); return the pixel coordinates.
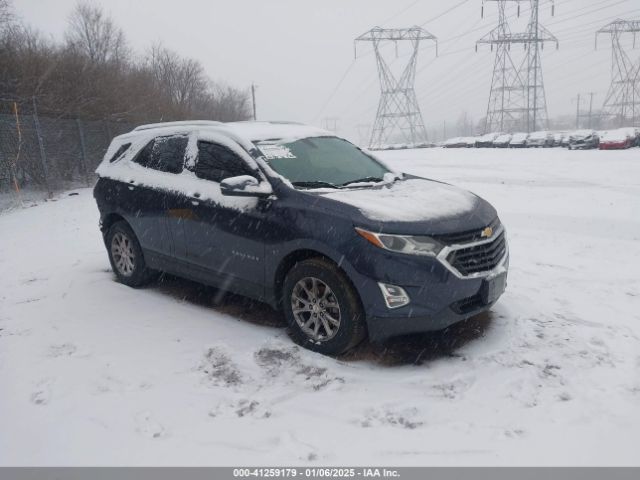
(303, 220)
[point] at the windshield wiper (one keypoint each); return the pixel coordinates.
(314, 184)
(362, 180)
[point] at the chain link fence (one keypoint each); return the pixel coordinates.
(46, 155)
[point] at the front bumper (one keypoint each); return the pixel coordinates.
(583, 146)
(615, 146)
(439, 296)
(383, 328)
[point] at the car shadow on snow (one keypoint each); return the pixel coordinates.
(406, 350)
(222, 302)
(422, 348)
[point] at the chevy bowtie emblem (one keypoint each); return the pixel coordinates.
(487, 232)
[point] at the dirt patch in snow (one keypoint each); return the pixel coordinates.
(286, 363)
(62, 350)
(219, 369)
(406, 418)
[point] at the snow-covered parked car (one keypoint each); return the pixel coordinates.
(618, 139)
(518, 140)
(305, 221)
(502, 141)
(470, 142)
(559, 138)
(540, 140)
(583, 140)
(455, 142)
(486, 140)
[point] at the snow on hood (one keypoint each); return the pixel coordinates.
(408, 201)
(539, 135)
(581, 134)
(519, 137)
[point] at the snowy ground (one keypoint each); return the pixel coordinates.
(95, 373)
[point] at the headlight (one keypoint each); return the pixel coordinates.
(410, 244)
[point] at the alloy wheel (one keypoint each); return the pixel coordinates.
(315, 309)
(123, 254)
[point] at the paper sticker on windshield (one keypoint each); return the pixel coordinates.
(272, 152)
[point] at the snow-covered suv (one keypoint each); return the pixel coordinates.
(296, 217)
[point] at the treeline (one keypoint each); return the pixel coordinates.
(94, 74)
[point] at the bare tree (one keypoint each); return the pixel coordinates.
(182, 81)
(92, 75)
(6, 13)
(228, 104)
(95, 35)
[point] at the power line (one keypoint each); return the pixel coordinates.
(444, 13)
(396, 15)
(335, 90)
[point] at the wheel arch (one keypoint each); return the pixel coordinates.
(296, 256)
(108, 220)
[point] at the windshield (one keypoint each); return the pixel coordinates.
(319, 162)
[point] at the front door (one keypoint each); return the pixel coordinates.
(225, 235)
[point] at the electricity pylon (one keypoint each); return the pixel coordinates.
(622, 103)
(398, 110)
(517, 100)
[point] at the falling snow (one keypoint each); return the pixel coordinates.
(176, 374)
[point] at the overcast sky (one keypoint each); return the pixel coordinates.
(300, 53)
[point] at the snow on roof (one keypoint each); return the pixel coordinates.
(261, 131)
(618, 135)
(183, 123)
(519, 137)
(582, 133)
(539, 135)
(243, 131)
(489, 137)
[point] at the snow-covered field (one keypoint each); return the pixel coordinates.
(95, 373)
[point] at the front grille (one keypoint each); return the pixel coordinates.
(468, 236)
(479, 258)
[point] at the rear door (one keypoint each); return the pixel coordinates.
(148, 197)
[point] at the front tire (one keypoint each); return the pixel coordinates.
(126, 257)
(322, 308)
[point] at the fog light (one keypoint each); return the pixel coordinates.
(394, 297)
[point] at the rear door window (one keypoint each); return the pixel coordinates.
(216, 162)
(165, 154)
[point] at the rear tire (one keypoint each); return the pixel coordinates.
(322, 308)
(126, 257)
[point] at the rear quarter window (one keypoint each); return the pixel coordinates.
(116, 156)
(165, 154)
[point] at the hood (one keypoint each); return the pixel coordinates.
(413, 205)
(581, 135)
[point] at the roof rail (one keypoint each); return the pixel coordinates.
(183, 123)
(273, 122)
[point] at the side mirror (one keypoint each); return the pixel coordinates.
(244, 186)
